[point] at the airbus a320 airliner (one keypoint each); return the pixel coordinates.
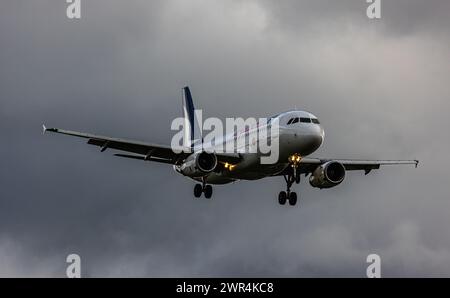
(299, 135)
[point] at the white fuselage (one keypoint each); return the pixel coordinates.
(299, 133)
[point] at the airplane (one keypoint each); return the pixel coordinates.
(300, 134)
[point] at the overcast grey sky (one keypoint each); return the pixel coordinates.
(380, 88)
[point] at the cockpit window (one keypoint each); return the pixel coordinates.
(305, 120)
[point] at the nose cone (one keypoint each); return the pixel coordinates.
(321, 135)
(314, 140)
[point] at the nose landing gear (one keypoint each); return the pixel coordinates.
(288, 195)
(294, 161)
(290, 178)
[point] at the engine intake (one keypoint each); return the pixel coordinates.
(206, 162)
(327, 175)
(198, 164)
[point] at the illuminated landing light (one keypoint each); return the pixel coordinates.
(295, 159)
(228, 166)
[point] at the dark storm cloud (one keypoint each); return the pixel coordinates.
(379, 87)
(399, 18)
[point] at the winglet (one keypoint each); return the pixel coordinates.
(417, 162)
(45, 129)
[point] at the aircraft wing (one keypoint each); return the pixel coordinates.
(140, 150)
(145, 151)
(308, 165)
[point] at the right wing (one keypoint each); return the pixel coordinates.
(146, 151)
(140, 150)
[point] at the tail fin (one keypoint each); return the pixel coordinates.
(191, 125)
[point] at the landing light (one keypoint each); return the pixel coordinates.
(229, 166)
(295, 158)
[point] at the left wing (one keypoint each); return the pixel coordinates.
(308, 165)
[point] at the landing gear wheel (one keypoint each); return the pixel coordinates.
(198, 189)
(288, 195)
(282, 197)
(292, 198)
(208, 191)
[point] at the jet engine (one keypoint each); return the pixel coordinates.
(198, 164)
(327, 175)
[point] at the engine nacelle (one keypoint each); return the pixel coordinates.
(327, 175)
(198, 164)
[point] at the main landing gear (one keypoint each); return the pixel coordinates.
(203, 188)
(290, 178)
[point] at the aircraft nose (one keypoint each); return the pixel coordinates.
(322, 135)
(317, 138)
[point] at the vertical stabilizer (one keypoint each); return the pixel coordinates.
(191, 125)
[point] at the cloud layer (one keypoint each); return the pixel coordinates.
(380, 88)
